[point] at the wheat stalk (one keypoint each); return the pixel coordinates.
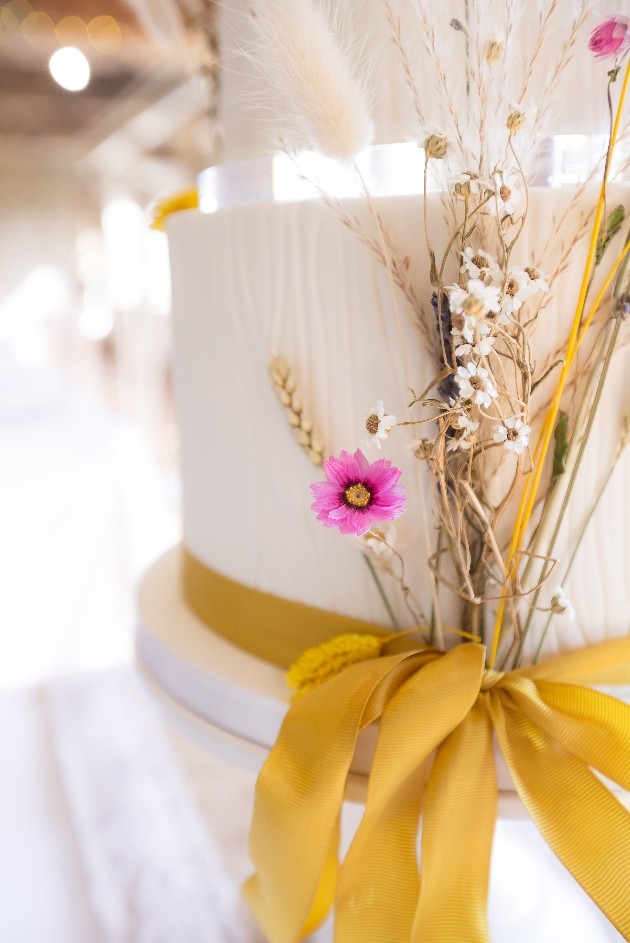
(305, 434)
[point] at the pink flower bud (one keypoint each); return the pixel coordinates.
(610, 37)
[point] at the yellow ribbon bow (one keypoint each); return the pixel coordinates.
(552, 730)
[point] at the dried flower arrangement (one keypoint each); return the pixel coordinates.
(488, 392)
(489, 412)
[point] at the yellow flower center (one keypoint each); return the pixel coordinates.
(505, 193)
(511, 288)
(357, 496)
(533, 273)
(479, 261)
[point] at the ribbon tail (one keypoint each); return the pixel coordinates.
(457, 833)
(582, 822)
(379, 882)
(593, 726)
(293, 838)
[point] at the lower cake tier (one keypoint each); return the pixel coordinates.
(232, 702)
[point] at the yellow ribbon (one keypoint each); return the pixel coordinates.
(268, 626)
(434, 759)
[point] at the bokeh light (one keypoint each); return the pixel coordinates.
(70, 68)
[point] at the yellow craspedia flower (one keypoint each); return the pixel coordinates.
(186, 200)
(316, 665)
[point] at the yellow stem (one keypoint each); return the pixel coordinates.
(528, 497)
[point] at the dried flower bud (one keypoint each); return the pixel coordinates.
(423, 449)
(462, 189)
(621, 308)
(436, 145)
(561, 605)
(494, 50)
(516, 121)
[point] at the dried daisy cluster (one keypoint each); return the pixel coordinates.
(305, 433)
(494, 545)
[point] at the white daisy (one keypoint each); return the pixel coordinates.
(507, 193)
(561, 605)
(514, 435)
(537, 279)
(481, 349)
(469, 328)
(378, 425)
(475, 299)
(458, 434)
(518, 288)
(479, 264)
(474, 384)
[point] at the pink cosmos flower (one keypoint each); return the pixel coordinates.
(357, 493)
(610, 37)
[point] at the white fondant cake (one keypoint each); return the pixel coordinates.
(252, 281)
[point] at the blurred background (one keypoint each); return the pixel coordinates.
(103, 108)
(105, 105)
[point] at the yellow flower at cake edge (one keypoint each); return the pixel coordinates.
(175, 203)
(319, 664)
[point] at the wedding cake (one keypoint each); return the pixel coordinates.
(303, 329)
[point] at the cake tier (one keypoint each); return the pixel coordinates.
(232, 703)
(253, 281)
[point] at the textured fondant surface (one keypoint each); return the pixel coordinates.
(254, 281)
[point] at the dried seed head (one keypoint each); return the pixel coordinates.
(462, 189)
(494, 50)
(504, 192)
(423, 449)
(516, 121)
(279, 369)
(436, 145)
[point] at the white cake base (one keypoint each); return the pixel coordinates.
(227, 700)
